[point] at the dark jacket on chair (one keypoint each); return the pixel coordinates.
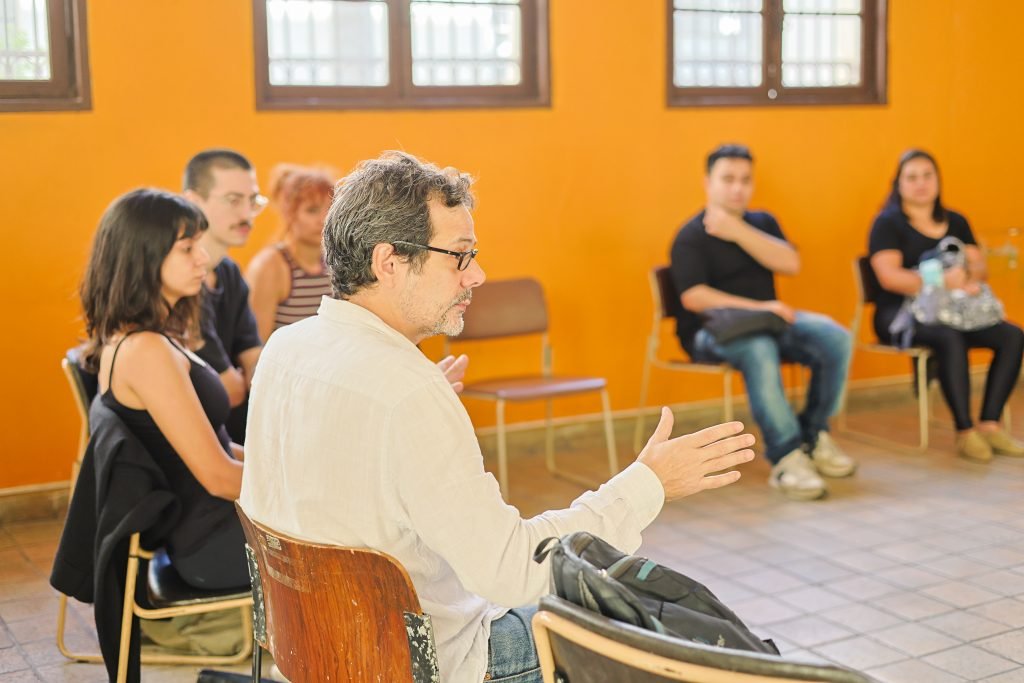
(120, 491)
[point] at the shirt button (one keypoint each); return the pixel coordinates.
(487, 677)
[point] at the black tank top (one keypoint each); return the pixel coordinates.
(202, 513)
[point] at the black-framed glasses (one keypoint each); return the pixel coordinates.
(463, 257)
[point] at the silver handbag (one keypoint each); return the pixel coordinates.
(956, 308)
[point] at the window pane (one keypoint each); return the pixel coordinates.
(714, 48)
(821, 50)
(327, 42)
(466, 42)
(823, 6)
(24, 41)
(720, 5)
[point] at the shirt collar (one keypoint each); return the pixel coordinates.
(348, 313)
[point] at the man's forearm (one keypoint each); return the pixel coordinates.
(702, 297)
(774, 254)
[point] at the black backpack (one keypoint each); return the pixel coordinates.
(592, 574)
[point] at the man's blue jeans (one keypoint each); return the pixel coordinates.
(815, 341)
(512, 654)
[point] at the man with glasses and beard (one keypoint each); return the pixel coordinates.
(357, 439)
(223, 184)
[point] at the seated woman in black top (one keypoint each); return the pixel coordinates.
(912, 222)
(140, 296)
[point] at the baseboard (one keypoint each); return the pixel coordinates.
(36, 502)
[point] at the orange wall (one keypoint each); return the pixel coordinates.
(585, 195)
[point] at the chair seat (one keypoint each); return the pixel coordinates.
(531, 388)
(166, 588)
(888, 348)
(696, 366)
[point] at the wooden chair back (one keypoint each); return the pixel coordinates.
(331, 613)
(506, 308)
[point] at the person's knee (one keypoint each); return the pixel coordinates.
(945, 340)
(828, 338)
(754, 353)
(1013, 338)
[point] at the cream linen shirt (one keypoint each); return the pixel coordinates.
(356, 438)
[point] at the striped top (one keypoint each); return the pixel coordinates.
(305, 293)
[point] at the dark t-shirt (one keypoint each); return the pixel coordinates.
(228, 324)
(892, 230)
(697, 258)
(229, 328)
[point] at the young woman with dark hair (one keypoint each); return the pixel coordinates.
(140, 297)
(912, 222)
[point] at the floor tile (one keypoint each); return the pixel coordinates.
(915, 639)
(770, 580)
(861, 618)
(965, 626)
(969, 662)
(763, 610)
(813, 599)
(1009, 611)
(859, 588)
(808, 631)
(860, 653)
(905, 576)
(960, 594)
(912, 671)
(1005, 582)
(11, 660)
(1009, 645)
(1015, 676)
(911, 606)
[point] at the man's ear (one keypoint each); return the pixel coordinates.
(385, 263)
(192, 196)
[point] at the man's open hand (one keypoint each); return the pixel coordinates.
(687, 464)
(454, 370)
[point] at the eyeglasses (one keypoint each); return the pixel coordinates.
(464, 257)
(236, 201)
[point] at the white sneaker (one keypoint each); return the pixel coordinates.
(796, 477)
(830, 459)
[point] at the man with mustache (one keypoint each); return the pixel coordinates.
(357, 439)
(223, 184)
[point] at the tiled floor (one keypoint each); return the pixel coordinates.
(912, 570)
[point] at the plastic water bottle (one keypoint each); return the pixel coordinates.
(931, 273)
(931, 282)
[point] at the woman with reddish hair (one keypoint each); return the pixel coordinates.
(287, 279)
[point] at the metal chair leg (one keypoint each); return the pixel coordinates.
(549, 435)
(127, 614)
(645, 379)
(502, 449)
(257, 661)
(609, 433)
(727, 406)
(922, 401)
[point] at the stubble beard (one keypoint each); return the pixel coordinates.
(448, 324)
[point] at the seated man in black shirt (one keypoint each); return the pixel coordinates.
(727, 257)
(223, 184)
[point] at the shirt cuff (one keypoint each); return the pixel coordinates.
(640, 487)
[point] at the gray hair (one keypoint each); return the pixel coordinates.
(384, 201)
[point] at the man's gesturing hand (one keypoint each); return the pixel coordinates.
(685, 464)
(454, 370)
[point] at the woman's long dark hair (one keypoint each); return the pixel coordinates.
(122, 288)
(895, 201)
